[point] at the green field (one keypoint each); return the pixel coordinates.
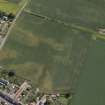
(91, 86)
(55, 44)
(88, 13)
(51, 53)
(10, 6)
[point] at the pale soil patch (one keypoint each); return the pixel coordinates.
(47, 82)
(7, 54)
(32, 40)
(34, 72)
(62, 59)
(28, 68)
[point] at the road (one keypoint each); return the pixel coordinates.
(11, 27)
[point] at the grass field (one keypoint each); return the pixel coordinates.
(55, 43)
(88, 13)
(91, 86)
(10, 6)
(51, 53)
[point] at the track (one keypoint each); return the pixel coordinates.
(95, 34)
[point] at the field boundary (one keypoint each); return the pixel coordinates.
(96, 34)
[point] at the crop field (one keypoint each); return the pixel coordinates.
(10, 5)
(47, 53)
(55, 44)
(88, 13)
(91, 86)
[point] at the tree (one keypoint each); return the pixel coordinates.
(11, 73)
(11, 16)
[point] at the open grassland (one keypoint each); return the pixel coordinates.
(9, 6)
(53, 41)
(91, 86)
(88, 13)
(47, 53)
(81, 15)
